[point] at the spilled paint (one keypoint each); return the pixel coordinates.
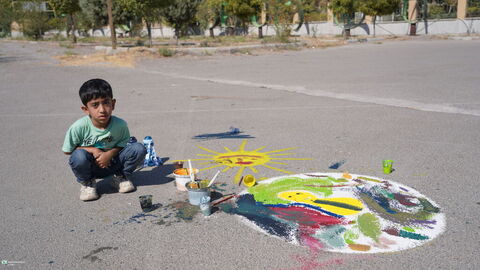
(180, 211)
(363, 214)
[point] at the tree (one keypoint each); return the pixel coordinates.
(281, 14)
(208, 14)
(376, 8)
(7, 16)
(244, 10)
(180, 14)
(95, 13)
(32, 18)
(343, 9)
(146, 10)
(67, 7)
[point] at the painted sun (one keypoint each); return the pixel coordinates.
(245, 159)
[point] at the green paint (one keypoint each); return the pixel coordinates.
(338, 204)
(332, 236)
(398, 217)
(428, 206)
(350, 236)
(369, 179)
(412, 235)
(267, 193)
(408, 229)
(339, 180)
(186, 212)
(369, 225)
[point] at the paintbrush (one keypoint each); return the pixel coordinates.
(213, 179)
(192, 176)
(224, 199)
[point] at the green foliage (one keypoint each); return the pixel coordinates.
(64, 6)
(7, 16)
(208, 11)
(166, 52)
(180, 14)
(281, 15)
(243, 9)
(34, 22)
(378, 7)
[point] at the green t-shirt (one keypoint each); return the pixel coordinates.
(84, 133)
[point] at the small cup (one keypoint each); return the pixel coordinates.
(146, 202)
(205, 206)
(249, 180)
(387, 166)
(178, 164)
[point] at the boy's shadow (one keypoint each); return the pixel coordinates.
(148, 176)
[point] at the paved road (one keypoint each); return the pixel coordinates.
(416, 102)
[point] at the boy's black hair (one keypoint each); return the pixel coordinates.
(94, 88)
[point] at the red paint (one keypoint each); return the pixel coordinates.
(243, 162)
(404, 199)
(306, 217)
(392, 231)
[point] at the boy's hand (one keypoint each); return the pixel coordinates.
(103, 159)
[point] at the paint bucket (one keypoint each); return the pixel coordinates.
(196, 194)
(182, 177)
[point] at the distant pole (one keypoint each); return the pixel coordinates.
(110, 24)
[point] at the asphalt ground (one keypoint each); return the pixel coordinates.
(416, 102)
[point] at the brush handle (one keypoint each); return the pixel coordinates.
(192, 177)
(213, 179)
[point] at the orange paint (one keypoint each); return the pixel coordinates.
(359, 247)
(184, 171)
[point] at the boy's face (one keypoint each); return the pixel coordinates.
(100, 111)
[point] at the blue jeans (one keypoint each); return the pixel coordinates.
(85, 169)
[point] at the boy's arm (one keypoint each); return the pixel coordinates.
(104, 158)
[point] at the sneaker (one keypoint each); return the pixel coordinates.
(122, 184)
(88, 191)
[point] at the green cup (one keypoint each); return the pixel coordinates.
(387, 166)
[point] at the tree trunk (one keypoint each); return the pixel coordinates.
(346, 33)
(260, 32)
(374, 21)
(111, 25)
(212, 34)
(74, 37)
(149, 30)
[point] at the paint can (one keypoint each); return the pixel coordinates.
(182, 177)
(196, 194)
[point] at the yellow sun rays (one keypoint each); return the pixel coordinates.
(242, 159)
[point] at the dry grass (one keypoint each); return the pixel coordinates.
(121, 59)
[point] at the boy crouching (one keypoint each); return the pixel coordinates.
(97, 143)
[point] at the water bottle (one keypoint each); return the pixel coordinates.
(151, 158)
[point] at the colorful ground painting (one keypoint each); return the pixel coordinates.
(341, 212)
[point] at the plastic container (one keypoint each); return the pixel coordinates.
(249, 180)
(196, 194)
(182, 177)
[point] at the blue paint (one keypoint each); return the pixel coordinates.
(234, 133)
(262, 216)
(337, 165)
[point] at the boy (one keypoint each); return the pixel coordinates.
(97, 143)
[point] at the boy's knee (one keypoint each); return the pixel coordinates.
(137, 149)
(79, 157)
